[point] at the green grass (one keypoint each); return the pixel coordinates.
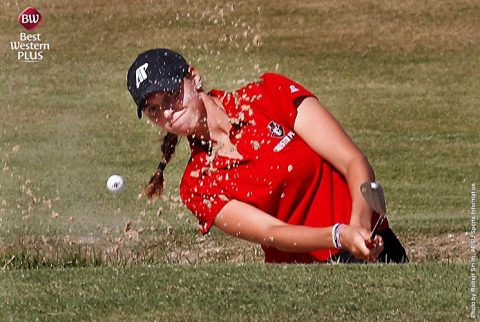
(238, 292)
(402, 78)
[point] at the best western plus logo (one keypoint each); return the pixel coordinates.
(29, 46)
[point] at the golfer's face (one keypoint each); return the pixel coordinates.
(178, 113)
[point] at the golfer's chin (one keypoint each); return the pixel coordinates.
(181, 128)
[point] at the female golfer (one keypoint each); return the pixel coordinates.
(268, 164)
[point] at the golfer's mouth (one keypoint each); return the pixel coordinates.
(177, 116)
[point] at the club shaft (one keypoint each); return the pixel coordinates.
(377, 226)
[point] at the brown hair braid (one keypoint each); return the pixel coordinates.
(154, 187)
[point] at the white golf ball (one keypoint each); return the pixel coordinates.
(374, 185)
(115, 183)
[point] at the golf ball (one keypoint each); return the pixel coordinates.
(374, 185)
(115, 183)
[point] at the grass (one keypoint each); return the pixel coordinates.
(402, 77)
(237, 292)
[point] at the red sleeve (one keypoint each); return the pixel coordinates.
(202, 196)
(282, 92)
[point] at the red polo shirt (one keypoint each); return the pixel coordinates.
(279, 173)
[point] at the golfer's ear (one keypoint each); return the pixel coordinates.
(195, 74)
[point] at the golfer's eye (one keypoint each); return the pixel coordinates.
(150, 109)
(167, 107)
(168, 101)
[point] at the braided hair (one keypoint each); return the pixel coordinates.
(155, 186)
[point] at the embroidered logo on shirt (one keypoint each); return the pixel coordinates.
(293, 89)
(275, 129)
(283, 143)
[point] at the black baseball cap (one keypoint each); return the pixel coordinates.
(155, 70)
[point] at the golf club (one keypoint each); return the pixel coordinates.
(373, 194)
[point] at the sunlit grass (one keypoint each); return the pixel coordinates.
(237, 293)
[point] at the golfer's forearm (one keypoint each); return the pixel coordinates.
(358, 172)
(250, 223)
(294, 238)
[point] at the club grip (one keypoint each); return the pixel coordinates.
(369, 244)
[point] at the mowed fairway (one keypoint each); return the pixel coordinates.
(227, 292)
(402, 78)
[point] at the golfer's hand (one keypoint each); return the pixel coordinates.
(355, 240)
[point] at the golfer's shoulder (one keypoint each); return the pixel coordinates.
(270, 78)
(278, 83)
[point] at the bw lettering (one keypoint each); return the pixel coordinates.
(30, 18)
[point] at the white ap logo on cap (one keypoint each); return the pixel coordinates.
(141, 74)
